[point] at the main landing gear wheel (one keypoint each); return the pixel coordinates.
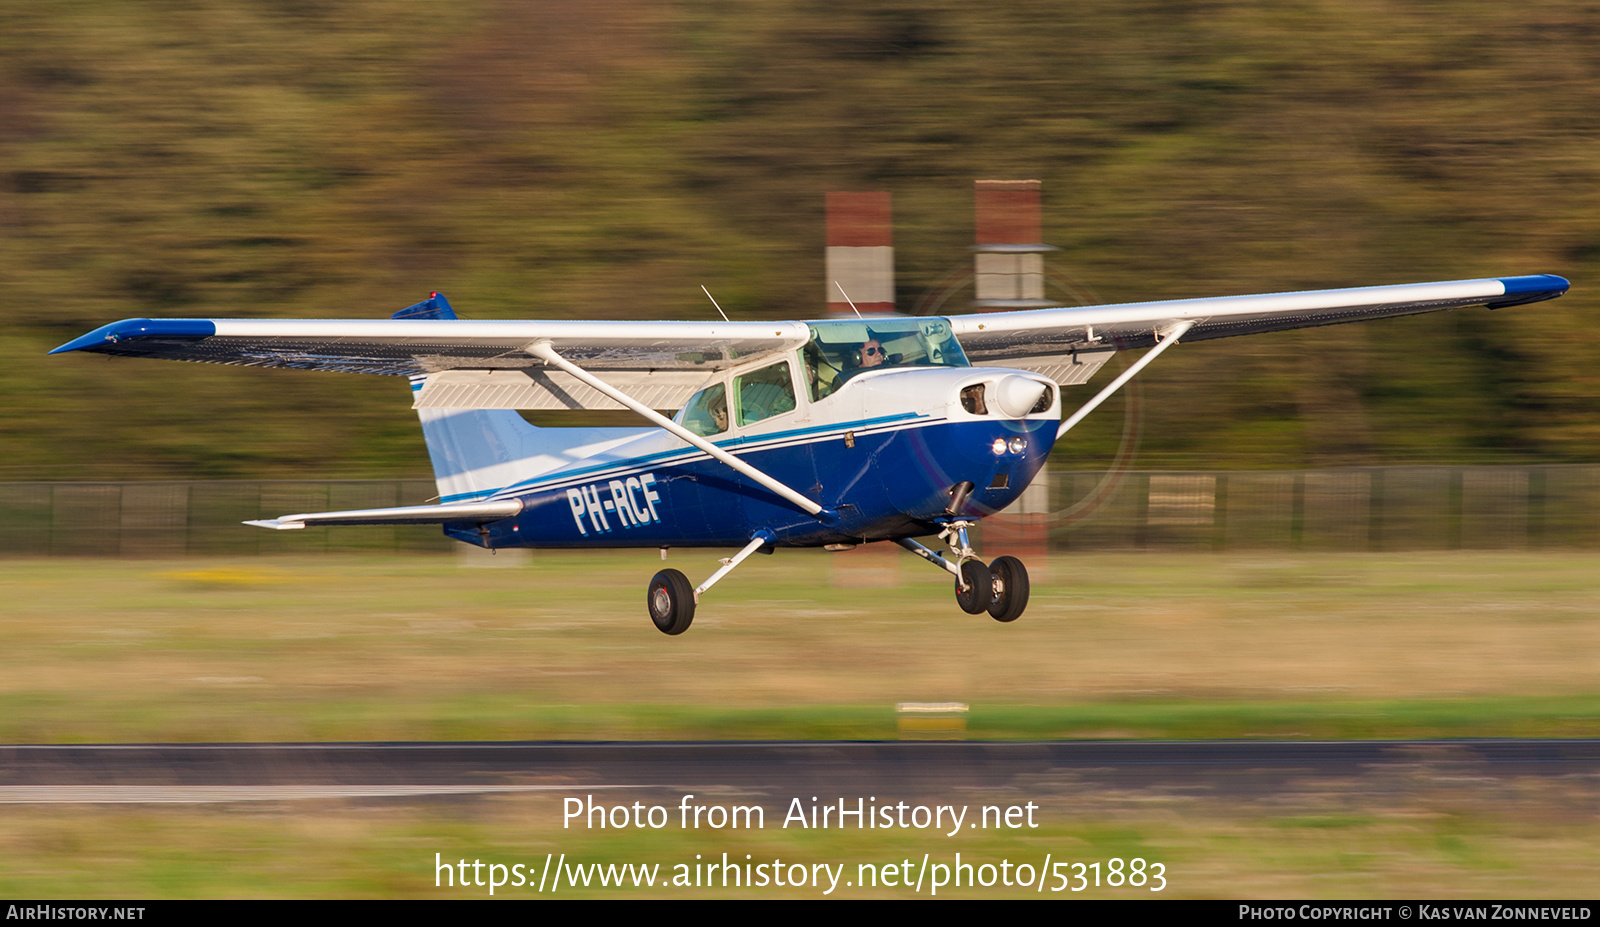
(980, 587)
(1010, 589)
(671, 602)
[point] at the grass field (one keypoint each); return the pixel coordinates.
(1156, 645)
(1113, 645)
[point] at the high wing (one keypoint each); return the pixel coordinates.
(410, 347)
(471, 364)
(1054, 335)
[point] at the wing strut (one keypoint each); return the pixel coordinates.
(762, 539)
(1171, 338)
(543, 351)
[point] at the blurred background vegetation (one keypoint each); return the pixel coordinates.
(602, 159)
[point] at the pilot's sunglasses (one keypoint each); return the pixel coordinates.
(871, 351)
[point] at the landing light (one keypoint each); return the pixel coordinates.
(1017, 444)
(999, 446)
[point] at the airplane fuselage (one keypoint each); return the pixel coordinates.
(882, 454)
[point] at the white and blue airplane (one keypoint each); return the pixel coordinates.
(787, 434)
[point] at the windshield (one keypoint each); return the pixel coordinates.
(841, 349)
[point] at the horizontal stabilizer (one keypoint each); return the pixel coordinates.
(404, 515)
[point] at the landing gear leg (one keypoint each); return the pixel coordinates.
(672, 600)
(1001, 588)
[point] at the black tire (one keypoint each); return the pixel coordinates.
(671, 602)
(980, 587)
(1010, 589)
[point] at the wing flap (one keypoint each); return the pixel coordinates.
(539, 388)
(1066, 369)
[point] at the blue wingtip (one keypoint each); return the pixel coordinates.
(1535, 283)
(1533, 288)
(131, 329)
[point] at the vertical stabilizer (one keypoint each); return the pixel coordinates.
(473, 452)
(478, 452)
(434, 307)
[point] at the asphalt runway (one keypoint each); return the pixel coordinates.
(149, 773)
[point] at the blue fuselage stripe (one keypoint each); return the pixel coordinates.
(632, 466)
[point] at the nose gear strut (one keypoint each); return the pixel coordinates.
(1000, 588)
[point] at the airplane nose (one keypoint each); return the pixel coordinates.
(1016, 396)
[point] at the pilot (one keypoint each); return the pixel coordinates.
(872, 354)
(719, 417)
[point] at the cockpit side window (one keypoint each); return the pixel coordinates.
(764, 393)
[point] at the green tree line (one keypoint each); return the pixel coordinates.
(588, 160)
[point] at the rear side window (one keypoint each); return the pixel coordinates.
(707, 413)
(764, 393)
